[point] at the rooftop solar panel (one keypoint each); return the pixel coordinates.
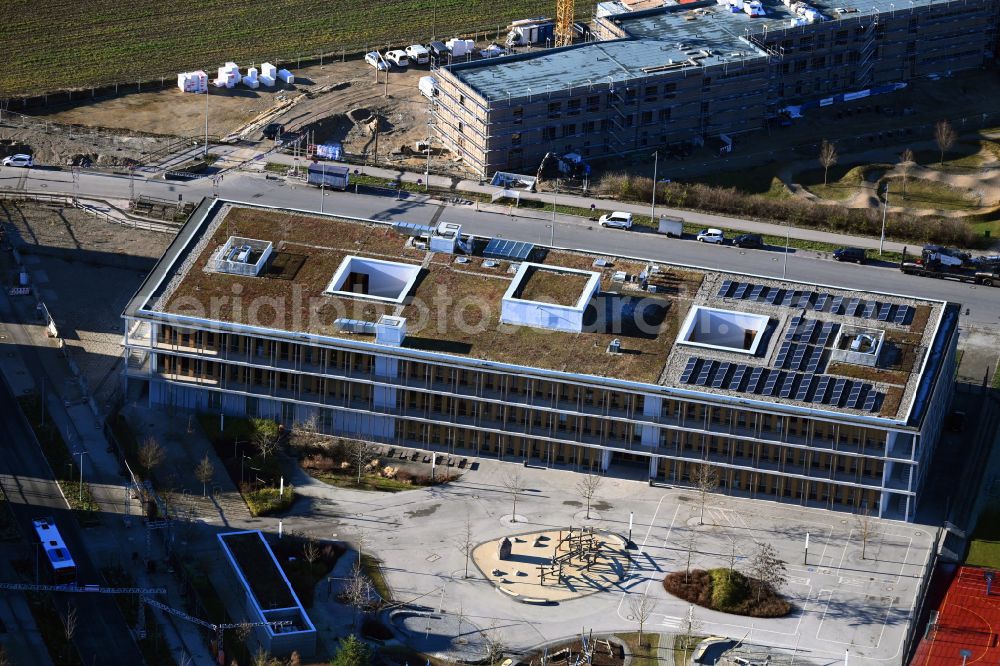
(821, 302)
(854, 399)
(800, 353)
(837, 302)
(883, 312)
(738, 374)
(852, 307)
(804, 386)
(793, 328)
(706, 370)
(809, 330)
(741, 290)
(838, 392)
(786, 299)
(869, 311)
(775, 295)
(720, 375)
(499, 248)
(782, 356)
(814, 358)
(754, 382)
(821, 388)
(689, 369)
(755, 293)
(825, 331)
(788, 385)
(870, 401)
(771, 383)
(805, 299)
(724, 289)
(901, 314)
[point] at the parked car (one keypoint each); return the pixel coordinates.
(273, 130)
(19, 160)
(711, 236)
(617, 219)
(856, 254)
(749, 241)
(398, 58)
(376, 60)
(417, 54)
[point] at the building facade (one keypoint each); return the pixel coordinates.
(790, 392)
(690, 72)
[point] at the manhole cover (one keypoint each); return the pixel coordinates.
(433, 557)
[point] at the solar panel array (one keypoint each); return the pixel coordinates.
(800, 386)
(498, 248)
(817, 301)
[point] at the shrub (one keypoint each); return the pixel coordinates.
(264, 501)
(726, 591)
(389, 472)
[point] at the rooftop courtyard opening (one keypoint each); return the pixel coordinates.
(725, 330)
(375, 279)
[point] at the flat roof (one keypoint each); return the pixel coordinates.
(655, 37)
(454, 310)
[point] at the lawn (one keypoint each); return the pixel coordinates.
(984, 547)
(761, 180)
(66, 44)
(647, 652)
(683, 647)
(842, 182)
(922, 193)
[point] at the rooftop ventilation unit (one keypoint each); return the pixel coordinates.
(240, 256)
(356, 326)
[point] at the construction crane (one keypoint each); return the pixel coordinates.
(216, 628)
(565, 10)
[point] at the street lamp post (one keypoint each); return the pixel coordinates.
(81, 454)
(552, 236)
(206, 118)
(885, 212)
(784, 261)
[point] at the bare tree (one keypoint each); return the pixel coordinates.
(243, 630)
(641, 608)
(358, 592)
(944, 135)
(495, 646)
(467, 544)
(310, 550)
(706, 480)
(731, 559)
(360, 454)
(515, 486)
(867, 528)
(906, 161)
(692, 627)
(261, 657)
(588, 488)
(690, 543)
(151, 455)
(827, 157)
(204, 473)
(264, 443)
(70, 622)
(767, 569)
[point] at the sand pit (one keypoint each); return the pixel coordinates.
(553, 565)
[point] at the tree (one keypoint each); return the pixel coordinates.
(827, 157)
(641, 607)
(706, 480)
(360, 454)
(351, 652)
(867, 528)
(906, 162)
(204, 472)
(692, 627)
(358, 592)
(767, 569)
(733, 556)
(495, 647)
(515, 486)
(467, 544)
(70, 622)
(264, 442)
(310, 550)
(588, 488)
(690, 543)
(944, 135)
(151, 455)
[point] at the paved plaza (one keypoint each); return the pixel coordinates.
(844, 602)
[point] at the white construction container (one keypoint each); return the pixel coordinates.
(286, 76)
(267, 69)
(193, 82)
(250, 80)
(427, 86)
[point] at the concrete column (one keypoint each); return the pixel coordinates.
(654, 466)
(605, 459)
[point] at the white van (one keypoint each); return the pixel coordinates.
(398, 58)
(711, 236)
(418, 54)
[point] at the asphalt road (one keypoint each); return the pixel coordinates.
(102, 633)
(983, 303)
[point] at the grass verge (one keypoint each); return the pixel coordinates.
(372, 568)
(645, 651)
(984, 546)
(922, 193)
(684, 645)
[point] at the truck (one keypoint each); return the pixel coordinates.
(673, 227)
(329, 175)
(530, 31)
(947, 264)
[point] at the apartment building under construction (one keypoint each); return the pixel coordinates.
(422, 337)
(696, 71)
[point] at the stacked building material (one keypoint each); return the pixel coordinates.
(229, 76)
(286, 76)
(193, 82)
(250, 80)
(268, 74)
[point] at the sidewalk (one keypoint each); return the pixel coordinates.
(605, 205)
